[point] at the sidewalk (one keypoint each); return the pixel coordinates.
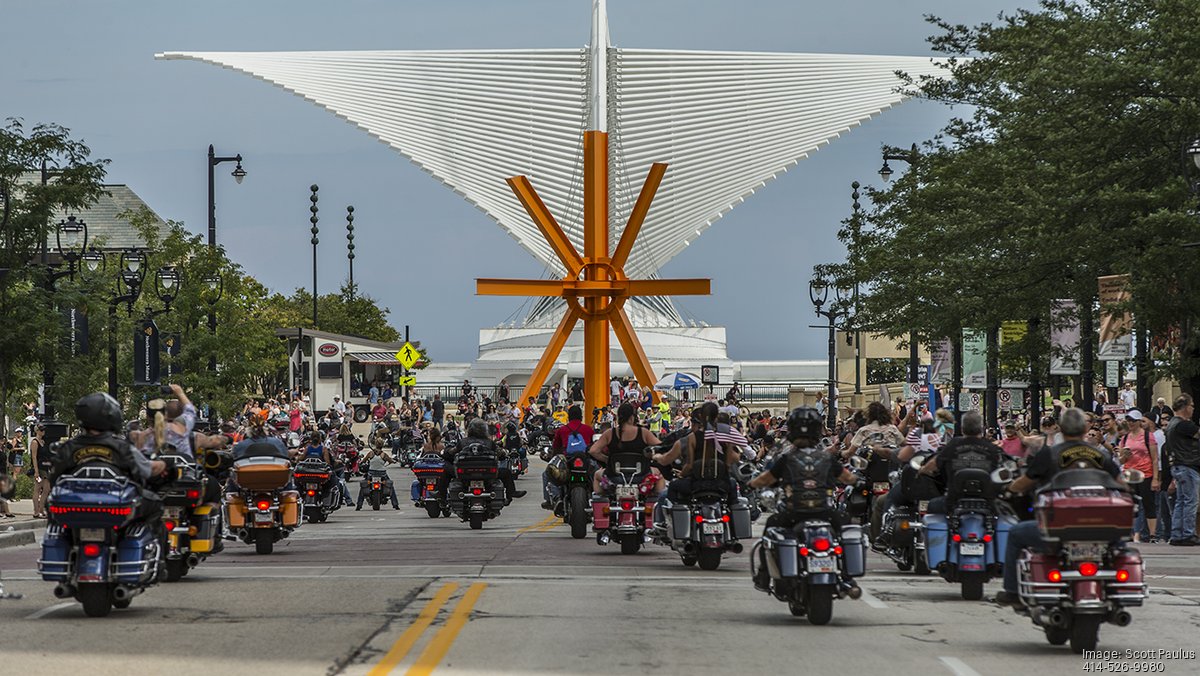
(22, 529)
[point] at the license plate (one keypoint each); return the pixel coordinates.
(713, 528)
(263, 517)
(1091, 551)
(172, 512)
(626, 492)
(881, 487)
(824, 564)
(476, 484)
(971, 549)
(923, 506)
(91, 534)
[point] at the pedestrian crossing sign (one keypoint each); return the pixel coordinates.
(408, 355)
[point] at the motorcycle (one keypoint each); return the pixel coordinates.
(808, 566)
(966, 545)
(320, 491)
(264, 511)
(476, 494)
(424, 493)
(902, 532)
(346, 454)
(192, 526)
(378, 486)
(573, 475)
(93, 548)
(1089, 574)
(627, 511)
(702, 530)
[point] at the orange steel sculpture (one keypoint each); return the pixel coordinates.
(595, 277)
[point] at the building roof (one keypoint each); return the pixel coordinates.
(107, 230)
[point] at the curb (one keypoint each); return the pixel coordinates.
(16, 538)
(25, 524)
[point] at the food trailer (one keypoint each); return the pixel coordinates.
(329, 364)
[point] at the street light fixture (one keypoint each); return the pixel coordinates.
(238, 173)
(93, 260)
(216, 287)
(166, 285)
(885, 172)
(71, 236)
(129, 287)
(818, 293)
(1193, 152)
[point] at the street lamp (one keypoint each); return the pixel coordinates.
(239, 175)
(350, 245)
(166, 285)
(1193, 151)
(914, 359)
(315, 231)
(818, 293)
(129, 287)
(885, 172)
(93, 260)
(71, 238)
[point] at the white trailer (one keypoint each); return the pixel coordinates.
(329, 364)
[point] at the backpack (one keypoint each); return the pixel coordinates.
(576, 443)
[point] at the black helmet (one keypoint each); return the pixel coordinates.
(511, 428)
(805, 423)
(99, 411)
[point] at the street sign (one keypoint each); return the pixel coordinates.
(408, 355)
(1112, 374)
(710, 375)
(407, 381)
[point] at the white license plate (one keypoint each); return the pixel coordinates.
(882, 487)
(263, 517)
(91, 534)
(172, 512)
(626, 492)
(713, 528)
(971, 549)
(824, 564)
(923, 506)
(1078, 551)
(476, 484)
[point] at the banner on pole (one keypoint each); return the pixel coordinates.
(1116, 327)
(171, 344)
(77, 329)
(1011, 333)
(974, 359)
(145, 353)
(1064, 338)
(939, 361)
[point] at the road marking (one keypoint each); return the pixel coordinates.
(436, 651)
(550, 526)
(410, 636)
(46, 611)
(544, 522)
(869, 599)
(958, 667)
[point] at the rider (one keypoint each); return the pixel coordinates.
(376, 460)
(479, 441)
(1072, 453)
(709, 453)
(808, 475)
(628, 437)
(570, 439)
(970, 451)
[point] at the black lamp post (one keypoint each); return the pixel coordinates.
(885, 172)
(167, 281)
(129, 287)
(239, 175)
(350, 246)
(70, 239)
(315, 231)
(818, 293)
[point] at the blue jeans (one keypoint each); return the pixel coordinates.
(1165, 504)
(550, 490)
(1183, 519)
(1024, 535)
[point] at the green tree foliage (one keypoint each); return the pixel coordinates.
(1070, 165)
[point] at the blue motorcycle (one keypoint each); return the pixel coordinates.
(423, 491)
(94, 548)
(965, 543)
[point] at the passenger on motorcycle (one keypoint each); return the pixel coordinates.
(376, 461)
(477, 441)
(922, 438)
(709, 454)
(628, 437)
(879, 434)
(1072, 453)
(573, 438)
(807, 475)
(970, 451)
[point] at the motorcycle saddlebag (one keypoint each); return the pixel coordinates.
(55, 563)
(649, 514)
(235, 511)
(1132, 591)
(134, 564)
(1004, 524)
(600, 515)
(937, 533)
(854, 550)
(262, 473)
(92, 503)
(782, 553)
(289, 508)
(414, 490)
(204, 518)
(740, 519)
(681, 522)
(1090, 513)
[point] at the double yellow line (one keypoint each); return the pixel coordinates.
(436, 651)
(544, 526)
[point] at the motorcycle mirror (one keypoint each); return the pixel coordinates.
(1002, 475)
(1133, 476)
(917, 461)
(858, 462)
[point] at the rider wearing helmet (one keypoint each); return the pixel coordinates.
(100, 419)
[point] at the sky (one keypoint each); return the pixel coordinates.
(90, 67)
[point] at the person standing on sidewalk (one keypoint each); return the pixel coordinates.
(1183, 449)
(39, 458)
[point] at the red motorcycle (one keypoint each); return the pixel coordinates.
(1089, 574)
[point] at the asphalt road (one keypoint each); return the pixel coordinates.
(397, 592)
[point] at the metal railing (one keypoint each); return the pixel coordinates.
(750, 393)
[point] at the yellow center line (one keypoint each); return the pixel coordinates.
(436, 651)
(544, 522)
(550, 526)
(409, 638)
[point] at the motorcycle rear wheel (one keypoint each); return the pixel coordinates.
(1057, 635)
(710, 559)
(176, 569)
(433, 510)
(1085, 633)
(630, 544)
(820, 605)
(264, 541)
(972, 586)
(476, 521)
(689, 560)
(578, 513)
(376, 501)
(96, 600)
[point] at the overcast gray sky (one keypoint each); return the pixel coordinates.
(90, 66)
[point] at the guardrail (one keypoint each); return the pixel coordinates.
(751, 393)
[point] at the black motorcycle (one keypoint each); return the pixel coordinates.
(476, 494)
(573, 475)
(378, 486)
(704, 528)
(808, 566)
(320, 491)
(902, 531)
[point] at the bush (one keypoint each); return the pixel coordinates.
(24, 487)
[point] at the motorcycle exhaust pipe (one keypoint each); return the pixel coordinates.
(689, 548)
(604, 539)
(124, 593)
(1057, 618)
(1121, 618)
(64, 591)
(736, 548)
(854, 592)
(193, 560)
